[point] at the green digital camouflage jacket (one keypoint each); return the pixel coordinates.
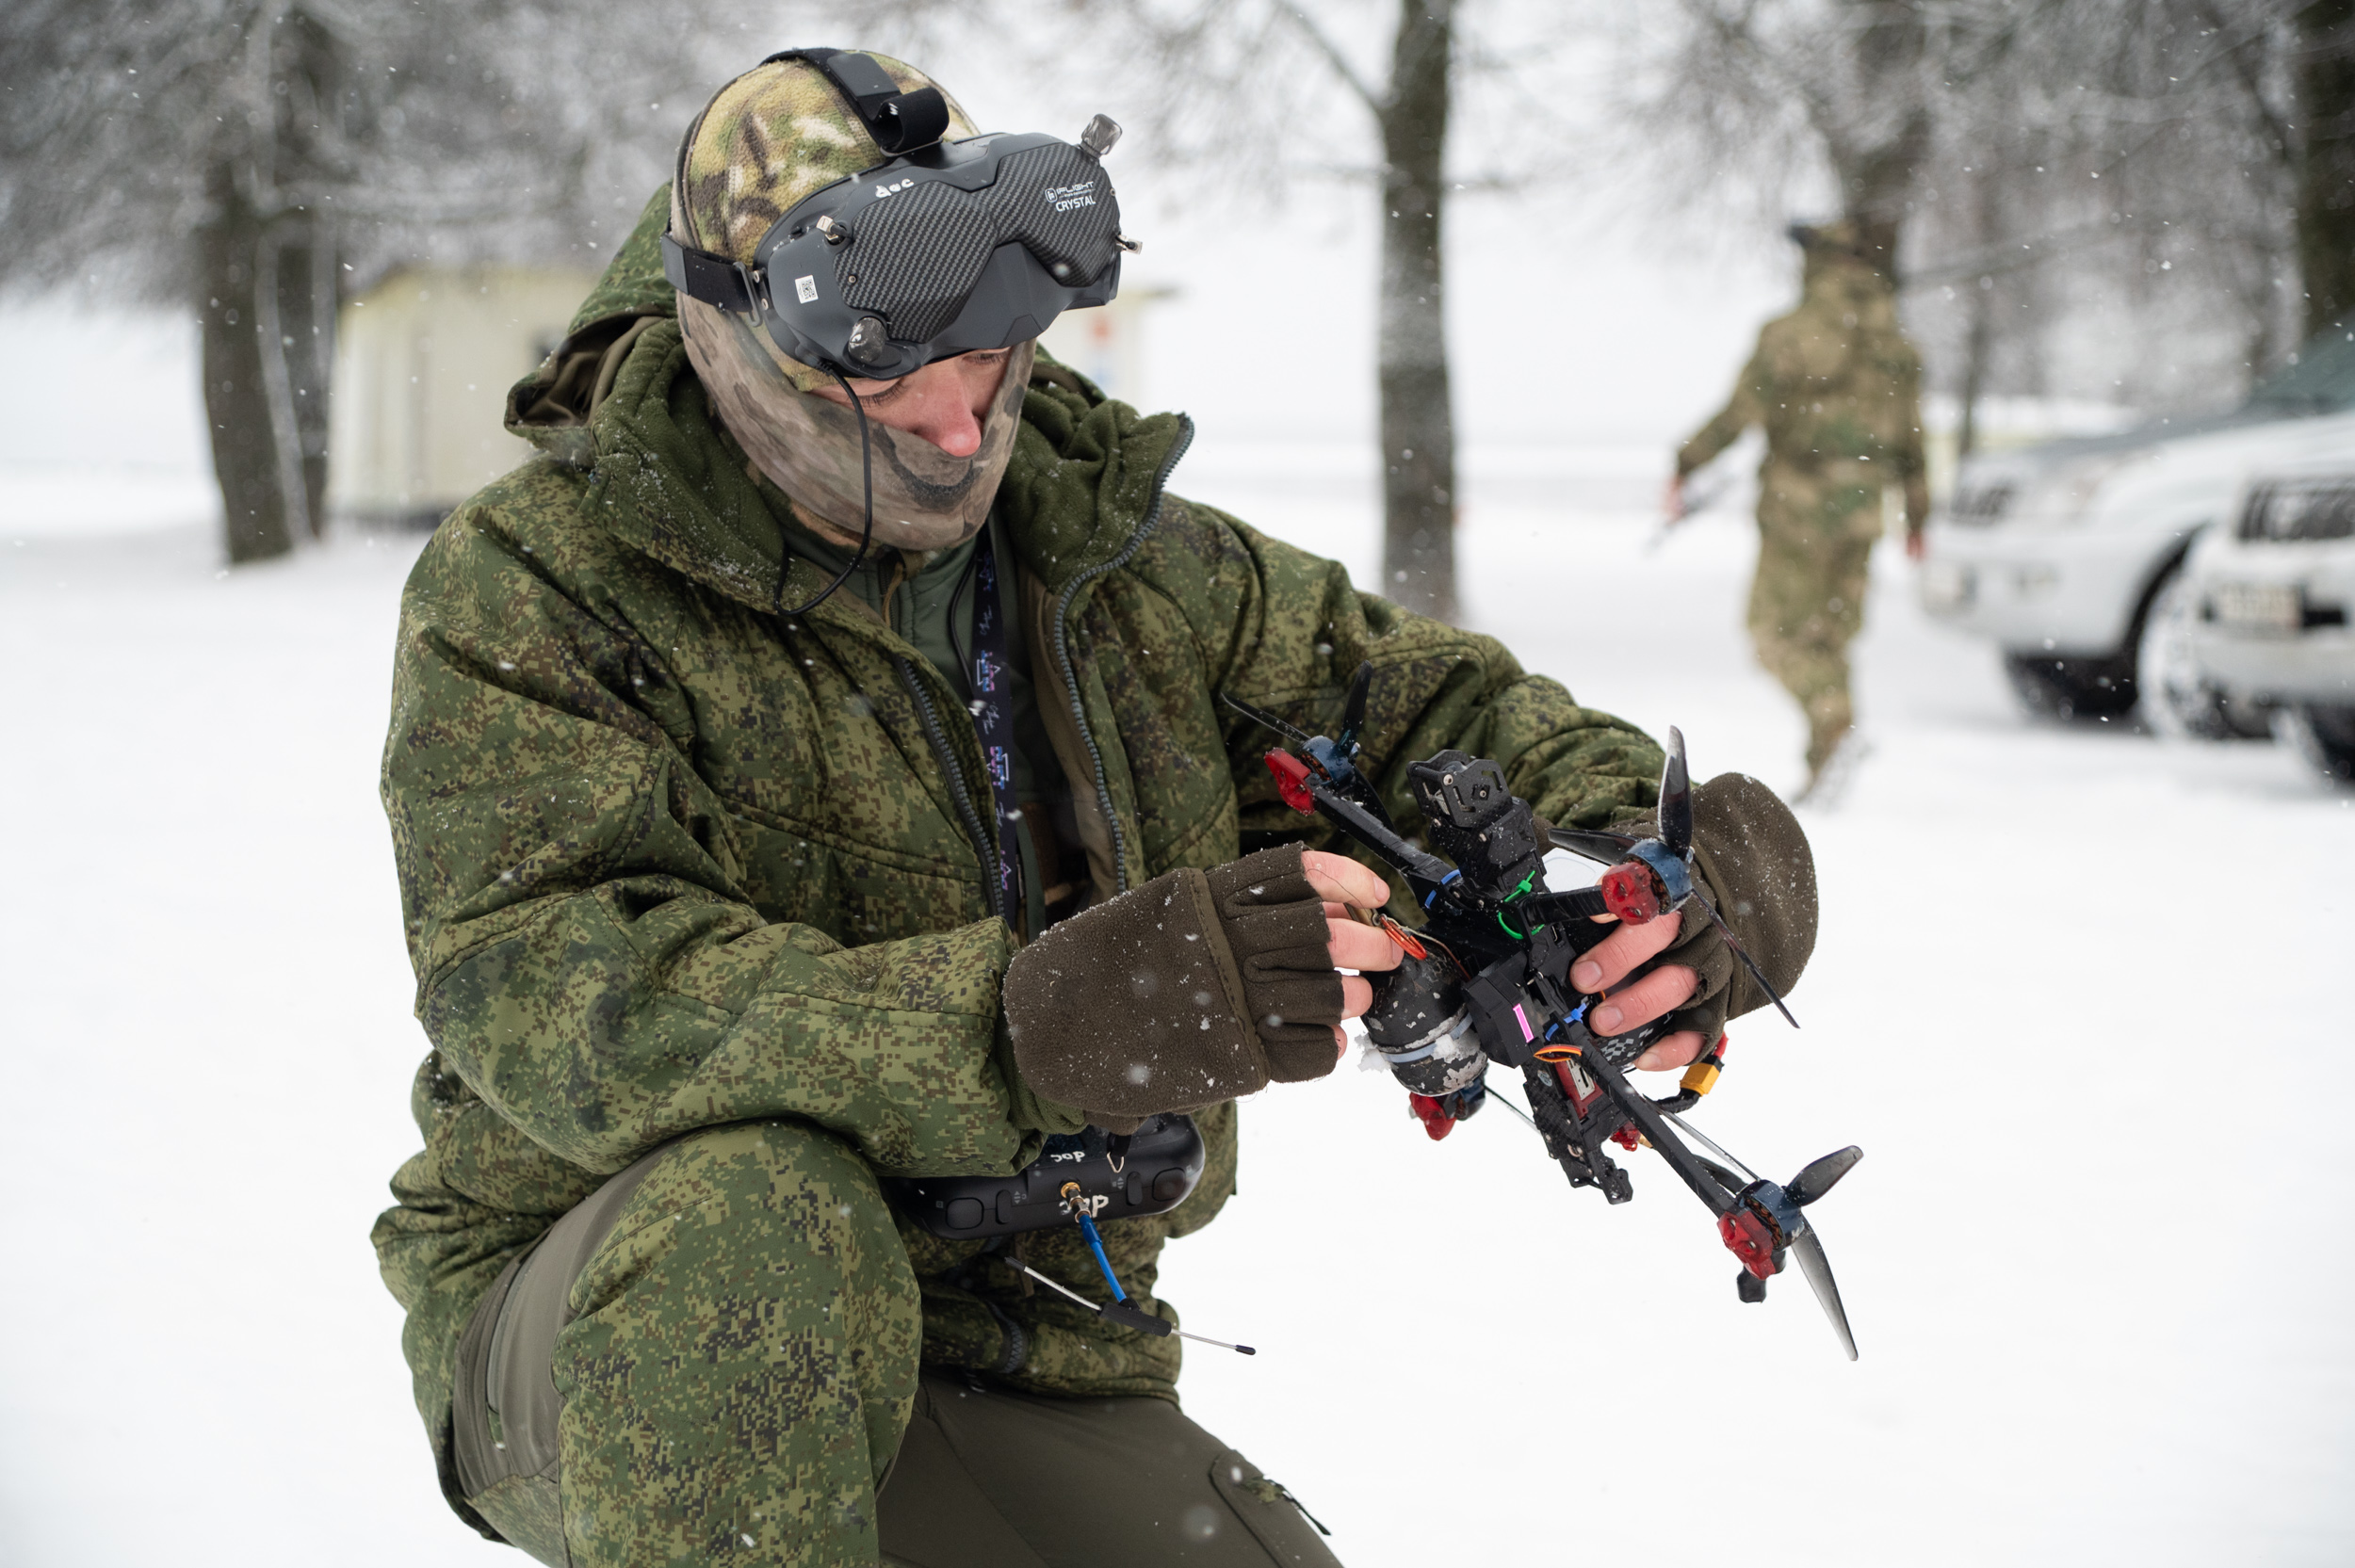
(669, 863)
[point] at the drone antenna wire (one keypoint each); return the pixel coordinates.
(866, 530)
(1059, 1285)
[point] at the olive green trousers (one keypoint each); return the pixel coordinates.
(1807, 600)
(715, 1357)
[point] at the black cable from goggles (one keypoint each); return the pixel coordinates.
(867, 531)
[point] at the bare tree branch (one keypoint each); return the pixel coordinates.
(1306, 26)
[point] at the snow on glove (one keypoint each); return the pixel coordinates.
(1197, 987)
(1760, 874)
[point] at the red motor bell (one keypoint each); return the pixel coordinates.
(1432, 1114)
(1747, 1237)
(1631, 892)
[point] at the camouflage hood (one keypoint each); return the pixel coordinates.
(768, 139)
(618, 396)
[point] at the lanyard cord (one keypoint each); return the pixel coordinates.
(989, 677)
(866, 532)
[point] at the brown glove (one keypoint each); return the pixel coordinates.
(1761, 875)
(1197, 987)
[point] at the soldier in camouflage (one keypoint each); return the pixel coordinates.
(707, 943)
(1838, 389)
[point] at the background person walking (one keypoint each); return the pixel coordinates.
(1838, 389)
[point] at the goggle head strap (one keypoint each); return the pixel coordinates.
(899, 122)
(714, 280)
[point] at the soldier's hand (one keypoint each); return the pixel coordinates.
(1672, 499)
(1130, 1008)
(1345, 886)
(1917, 545)
(1658, 993)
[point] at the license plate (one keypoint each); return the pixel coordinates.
(2270, 609)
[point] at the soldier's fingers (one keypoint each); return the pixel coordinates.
(1665, 989)
(1341, 1043)
(1356, 995)
(1666, 1055)
(1338, 877)
(1356, 947)
(1611, 960)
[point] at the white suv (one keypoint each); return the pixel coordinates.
(2269, 598)
(2067, 555)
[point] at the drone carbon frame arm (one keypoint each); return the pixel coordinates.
(1303, 791)
(1640, 1110)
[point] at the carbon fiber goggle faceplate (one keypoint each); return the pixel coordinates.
(963, 246)
(915, 258)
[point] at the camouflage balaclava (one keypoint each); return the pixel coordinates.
(765, 141)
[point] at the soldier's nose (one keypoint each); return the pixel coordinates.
(936, 408)
(951, 426)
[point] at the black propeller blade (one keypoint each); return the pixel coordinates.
(1821, 1176)
(1810, 1251)
(1676, 798)
(1718, 1174)
(1353, 710)
(1747, 962)
(1609, 849)
(1261, 716)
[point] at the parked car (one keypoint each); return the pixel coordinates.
(2269, 598)
(2069, 555)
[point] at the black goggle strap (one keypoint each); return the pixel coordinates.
(714, 280)
(899, 122)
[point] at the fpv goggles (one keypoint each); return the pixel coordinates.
(945, 248)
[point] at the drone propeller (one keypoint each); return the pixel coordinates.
(1676, 798)
(1609, 849)
(1709, 1143)
(1810, 1251)
(1723, 1177)
(1810, 1184)
(1261, 716)
(1353, 710)
(1747, 962)
(1821, 1176)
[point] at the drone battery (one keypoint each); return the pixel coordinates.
(1150, 1171)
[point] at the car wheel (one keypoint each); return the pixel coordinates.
(2176, 701)
(2066, 688)
(2325, 737)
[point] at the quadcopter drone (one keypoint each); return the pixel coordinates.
(1484, 980)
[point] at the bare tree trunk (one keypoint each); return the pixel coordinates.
(306, 327)
(1979, 343)
(246, 459)
(1418, 421)
(2265, 351)
(2326, 169)
(310, 77)
(1877, 177)
(1975, 346)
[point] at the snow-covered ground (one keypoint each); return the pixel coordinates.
(2079, 996)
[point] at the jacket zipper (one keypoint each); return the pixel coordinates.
(981, 844)
(1063, 647)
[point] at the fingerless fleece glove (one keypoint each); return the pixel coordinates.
(1197, 987)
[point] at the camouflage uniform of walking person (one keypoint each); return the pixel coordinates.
(1838, 389)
